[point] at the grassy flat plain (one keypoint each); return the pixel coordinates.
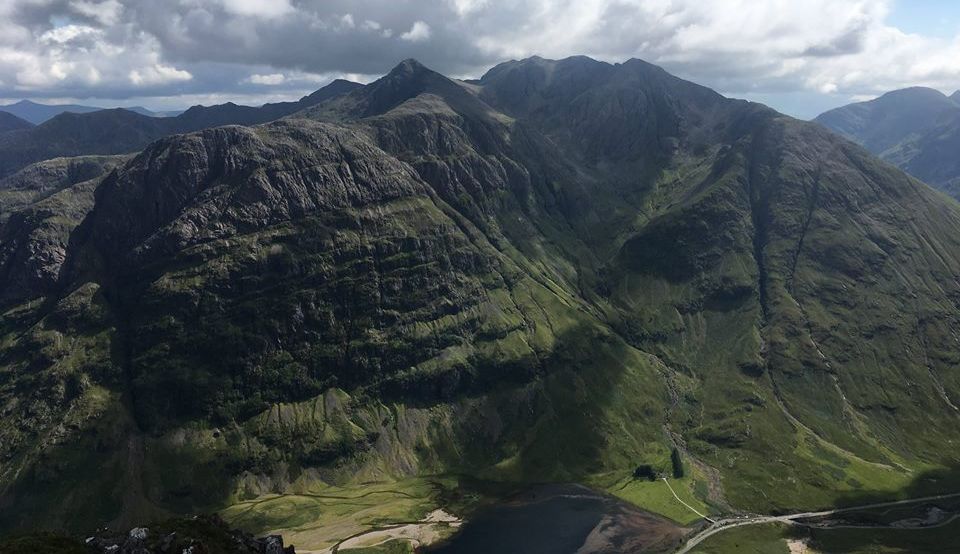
(321, 516)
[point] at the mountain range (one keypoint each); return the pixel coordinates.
(121, 131)
(38, 113)
(917, 129)
(557, 272)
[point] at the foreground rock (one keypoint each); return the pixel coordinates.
(198, 535)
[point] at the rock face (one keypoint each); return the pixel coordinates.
(40, 208)
(546, 274)
(917, 129)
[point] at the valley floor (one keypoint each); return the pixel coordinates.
(400, 516)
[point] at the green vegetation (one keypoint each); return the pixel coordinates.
(676, 463)
(937, 540)
(318, 517)
(645, 471)
(752, 539)
(391, 547)
(656, 497)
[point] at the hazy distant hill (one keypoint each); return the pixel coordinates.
(120, 131)
(38, 113)
(918, 129)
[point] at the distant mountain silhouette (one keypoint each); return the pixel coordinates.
(37, 113)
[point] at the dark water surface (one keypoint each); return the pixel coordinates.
(561, 519)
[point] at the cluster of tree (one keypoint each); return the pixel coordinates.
(647, 471)
(677, 463)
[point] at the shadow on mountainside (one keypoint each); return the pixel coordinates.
(929, 527)
(932, 482)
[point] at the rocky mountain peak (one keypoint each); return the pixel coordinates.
(409, 66)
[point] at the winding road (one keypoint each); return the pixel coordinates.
(791, 519)
(691, 508)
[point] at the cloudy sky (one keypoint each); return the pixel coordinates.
(799, 56)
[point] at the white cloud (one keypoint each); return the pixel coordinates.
(158, 74)
(69, 33)
(466, 7)
(272, 79)
(267, 9)
(418, 33)
(106, 12)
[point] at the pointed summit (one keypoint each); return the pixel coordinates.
(408, 80)
(408, 66)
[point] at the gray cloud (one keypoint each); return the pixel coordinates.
(269, 49)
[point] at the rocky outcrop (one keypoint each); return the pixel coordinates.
(37, 181)
(195, 535)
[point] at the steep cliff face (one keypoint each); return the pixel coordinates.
(551, 273)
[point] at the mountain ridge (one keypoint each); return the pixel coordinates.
(10, 122)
